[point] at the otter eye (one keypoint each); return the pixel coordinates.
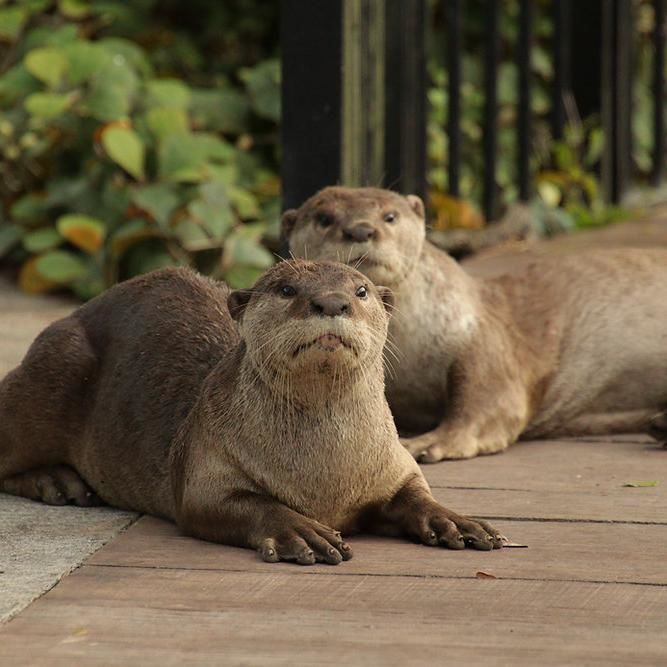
(361, 292)
(390, 217)
(324, 220)
(287, 290)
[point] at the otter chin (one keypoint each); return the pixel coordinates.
(251, 417)
(568, 346)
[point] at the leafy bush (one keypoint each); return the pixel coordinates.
(112, 166)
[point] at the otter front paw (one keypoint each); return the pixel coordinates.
(440, 527)
(306, 543)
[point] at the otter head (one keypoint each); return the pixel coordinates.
(379, 231)
(312, 322)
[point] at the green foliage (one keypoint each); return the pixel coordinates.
(567, 171)
(112, 165)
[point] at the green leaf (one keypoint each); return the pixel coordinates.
(181, 158)
(130, 53)
(191, 235)
(74, 9)
(263, 84)
(47, 105)
(17, 83)
(82, 231)
(107, 104)
(113, 88)
(85, 59)
(595, 146)
(213, 209)
(28, 209)
(239, 277)
(61, 266)
(245, 203)
(641, 485)
(49, 35)
(10, 235)
(47, 64)
(163, 121)
(242, 249)
(168, 93)
(159, 200)
(220, 110)
(41, 240)
(125, 147)
(12, 20)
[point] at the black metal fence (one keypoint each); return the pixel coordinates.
(354, 91)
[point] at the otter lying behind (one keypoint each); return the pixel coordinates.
(273, 434)
(568, 346)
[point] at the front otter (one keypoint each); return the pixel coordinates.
(271, 434)
(568, 346)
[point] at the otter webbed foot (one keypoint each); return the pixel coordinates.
(260, 522)
(305, 542)
(54, 485)
(414, 512)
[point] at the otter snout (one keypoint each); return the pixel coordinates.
(359, 232)
(330, 305)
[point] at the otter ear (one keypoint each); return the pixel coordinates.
(288, 221)
(417, 205)
(237, 301)
(387, 297)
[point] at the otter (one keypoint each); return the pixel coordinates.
(253, 417)
(568, 346)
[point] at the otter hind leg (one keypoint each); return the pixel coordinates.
(45, 400)
(53, 485)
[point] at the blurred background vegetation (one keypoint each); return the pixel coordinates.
(137, 135)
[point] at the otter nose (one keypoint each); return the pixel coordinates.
(360, 232)
(330, 305)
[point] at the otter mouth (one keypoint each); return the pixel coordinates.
(328, 342)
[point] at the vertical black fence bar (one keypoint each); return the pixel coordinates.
(490, 108)
(454, 48)
(405, 96)
(524, 116)
(562, 51)
(617, 30)
(658, 91)
(311, 42)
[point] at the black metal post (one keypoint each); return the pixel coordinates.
(490, 108)
(524, 116)
(562, 65)
(602, 82)
(311, 42)
(405, 96)
(454, 48)
(658, 92)
(617, 95)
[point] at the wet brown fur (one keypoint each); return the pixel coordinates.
(269, 432)
(568, 346)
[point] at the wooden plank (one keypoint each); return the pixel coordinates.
(119, 616)
(557, 551)
(623, 505)
(595, 465)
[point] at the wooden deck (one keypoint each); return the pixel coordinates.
(591, 588)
